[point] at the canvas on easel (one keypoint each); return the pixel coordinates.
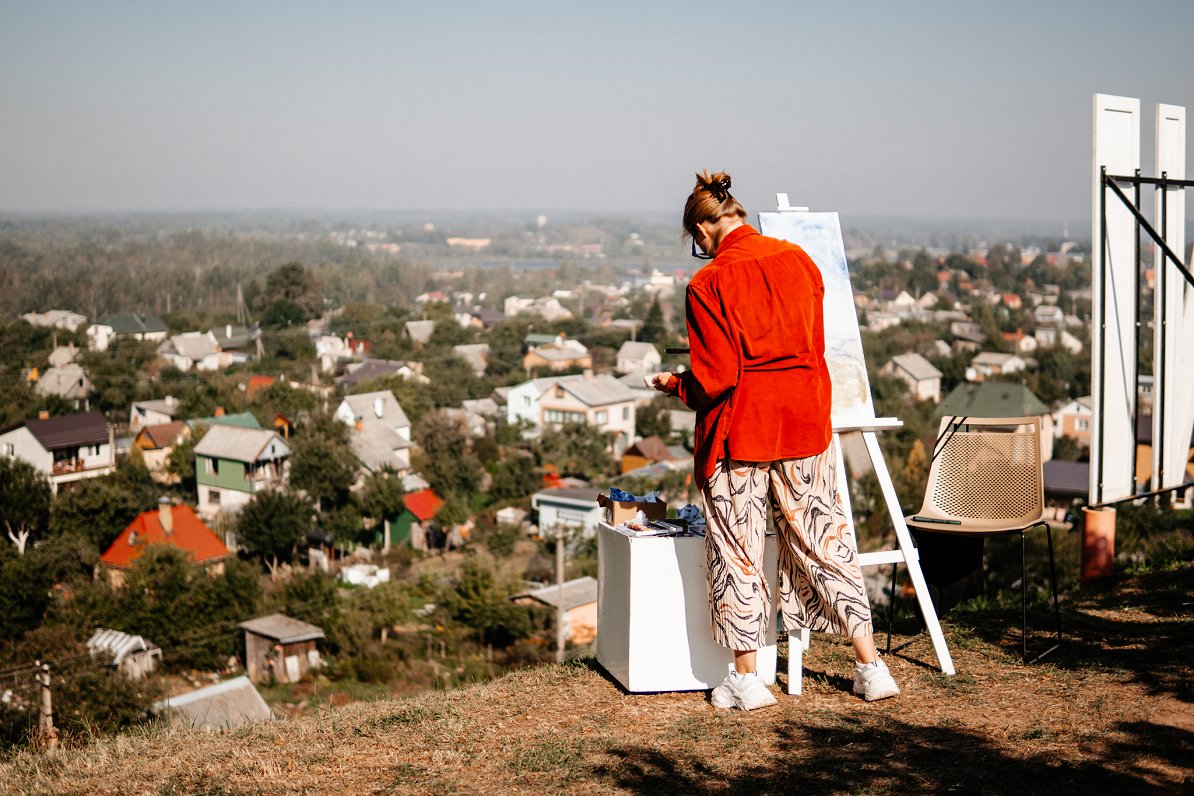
(820, 235)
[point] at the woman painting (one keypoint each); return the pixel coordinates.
(761, 390)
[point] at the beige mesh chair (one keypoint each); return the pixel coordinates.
(986, 478)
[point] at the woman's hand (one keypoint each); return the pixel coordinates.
(660, 381)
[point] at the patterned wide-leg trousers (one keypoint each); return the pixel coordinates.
(820, 580)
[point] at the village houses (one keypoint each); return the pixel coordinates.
(990, 364)
(146, 328)
(63, 449)
(599, 400)
(233, 463)
(559, 354)
(379, 431)
(921, 376)
(56, 319)
(638, 358)
(173, 525)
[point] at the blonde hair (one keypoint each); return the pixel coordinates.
(710, 201)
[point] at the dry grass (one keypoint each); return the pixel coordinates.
(1110, 714)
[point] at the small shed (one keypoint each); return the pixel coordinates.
(280, 648)
(132, 656)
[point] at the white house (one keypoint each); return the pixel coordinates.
(1073, 420)
(634, 357)
(147, 328)
(194, 350)
(153, 413)
(599, 400)
(991, 363)
(233, 463)
(419, 331)
(923, 379)
(331, 349)
(64, 449)
(1048, 337)
(55, 319)
(569, 508)
(475, 354)
(1049, 314)
(68, 382)
(379, 430)
(63, 355)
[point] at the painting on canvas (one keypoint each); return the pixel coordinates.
(820, 234)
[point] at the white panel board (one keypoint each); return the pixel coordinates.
(1113, 337)
(1173, 407)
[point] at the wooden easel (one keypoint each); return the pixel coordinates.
(905, 551)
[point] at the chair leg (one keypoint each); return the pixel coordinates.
(891, 607)
(1056, 605)
(1053, 582)
(1023, 599)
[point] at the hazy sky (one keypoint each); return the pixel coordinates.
(941, 109)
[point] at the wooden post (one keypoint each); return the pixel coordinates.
(46, 734)
(560, 594)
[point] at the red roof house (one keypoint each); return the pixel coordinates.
(423, 504)
(413, 525)
(258, 384)
(169, 524)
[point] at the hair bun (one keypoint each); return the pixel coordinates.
(718, 184)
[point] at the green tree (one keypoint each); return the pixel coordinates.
(271, 525)
(447, 460)
(321, 462)
(381, 497)
(181, 461)
(515, 477)
(653, 329)
(479, 602)
(24, 502)
(26, 581)
(293, 284)
(89, 696)
(653, 419)
(98, 509)
(575, 448)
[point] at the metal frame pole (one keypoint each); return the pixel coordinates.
(1102, 328)
(1161, 316)
(1132, 461)
(1136, 352)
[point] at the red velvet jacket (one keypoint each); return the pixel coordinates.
(756, 327)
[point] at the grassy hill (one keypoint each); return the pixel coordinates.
(1110, 713)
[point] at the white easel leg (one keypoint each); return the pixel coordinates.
(911, 557)
(797, 644)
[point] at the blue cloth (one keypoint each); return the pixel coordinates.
(622, 496)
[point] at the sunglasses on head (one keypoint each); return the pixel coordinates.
(699, 254)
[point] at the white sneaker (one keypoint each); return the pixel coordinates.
(873, 681)
(742, 691)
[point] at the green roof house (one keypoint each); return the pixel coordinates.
(139, 327)
(232, 464)
(991, 399)
(999, 399)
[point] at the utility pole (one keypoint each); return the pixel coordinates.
(559, 593)
(47, 735)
